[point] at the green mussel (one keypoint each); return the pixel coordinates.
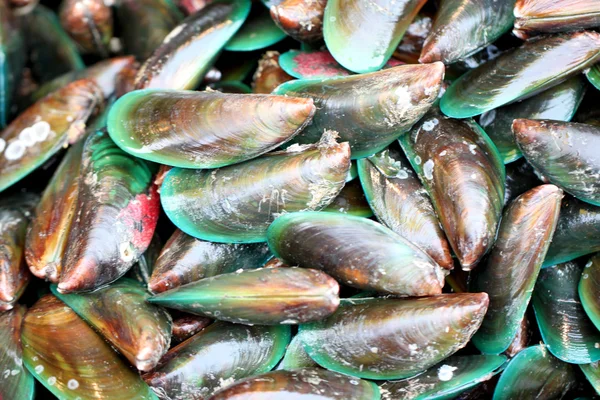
(565, 153)
(186, 325)
(52, 52)
(300, 19)
(509, 273)
(116, 213)
(295, 357)
(551, 16)
(12, 60)
(445, 380)
(185, 259)
(557, 103)
(592, 373)
(266, 296)
(563, 322)
(259, 31)
(463, 27)
(523, 72)
(393, 338)
(73, 362)
(593, 76)
(577, 232)
(362, 35)
(216, 357)
(89, 23)
(204, 130)
(400, 203)
(356, 251)
(535, 374)
(17, 382)
(119, 312)
(143, 269)
(190, 49)
(351, 200)
(269, 74)
(151, 20)
(588, 289)
(463, 173)
(302, 384)
(43, 129)
(369, 111)
(244, 199)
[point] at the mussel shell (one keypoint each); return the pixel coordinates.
(535, 374)
(186, 325)
(185, 259)
(104, 73)
(577, 232)
(557, 103)
(90, 24)
(269, 74)
(565, 153)
(44, 128)
(393, 338)
(17, 382)
(259, 31)
(520, 177)
(119, 312)
(535, 66)
(363, 35)
(356, 251)
(216, 356)
(14, 275)
(463, 27)
(351, 200)
(521, 339)
(369, 111)
(266, 296)
(48, 232)
(509, 273)
(22, 7)
(445, 380)
(551, 16)
(296, 357)
(300, 19)
(189, 50)
(401, 203)
(244, 199)
(204, 129)
(564, 324)
(151, 20)
(463, 173)
(306, 383)
(52, 52)
(593, 76)
(71, 360)
(12, 60)
(588, 289)
(143, 269)
(117, 211)
(592, 373)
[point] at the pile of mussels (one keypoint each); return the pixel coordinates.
(362, 199)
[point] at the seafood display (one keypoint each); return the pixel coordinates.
(299, 199)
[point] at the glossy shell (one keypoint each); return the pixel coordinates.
(463, 27)
(120, 313)
(269, 74)
(461, 170)
(185, 259)
(71, 360)
(363, 35)
(401, 203)
(258, 32)
(300, 19)
(188, 51)
(351, 200)
(564, 325)
(17, 382)
(90, 24)
(356, 251)
(44, 128)
(535, 373)
(535, 66)
(511, 269)
(295, 357)
(557, 103)
(588, 289)
(217, 356)
(392, 338)
(204, 130)
(244, 199)
(117, 211)
(395, 98)
(12, 60)
(303, 384)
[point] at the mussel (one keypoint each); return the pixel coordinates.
(17, 382)
(300, 19)
(90, 24)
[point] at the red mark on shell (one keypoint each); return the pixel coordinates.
(318, 64)
(141, 216)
